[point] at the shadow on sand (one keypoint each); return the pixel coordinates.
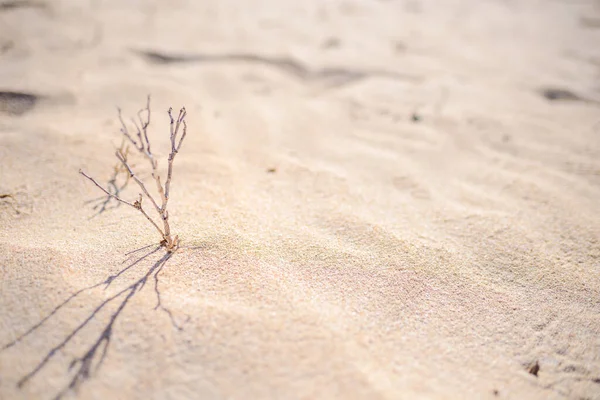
(90, 361)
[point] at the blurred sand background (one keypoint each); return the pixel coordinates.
(377, 200)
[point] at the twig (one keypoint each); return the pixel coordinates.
(106, 191)
(142, 144)
(113, 185)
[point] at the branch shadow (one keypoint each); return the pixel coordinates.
(331, 77)
(85, 365)
(106, 203)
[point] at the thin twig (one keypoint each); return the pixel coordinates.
(137, 180)
(163, 234)
(182, 135)
(125, 132)
(174, 149)
(106, 191)
(145, 124)
(137, 205)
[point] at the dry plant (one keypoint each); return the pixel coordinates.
(142, 144)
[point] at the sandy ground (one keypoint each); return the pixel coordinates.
(377, 200)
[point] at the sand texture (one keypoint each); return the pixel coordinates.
(376, 200)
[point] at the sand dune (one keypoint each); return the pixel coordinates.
(376, 199)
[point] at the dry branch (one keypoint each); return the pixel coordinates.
(178, 131)
(113, 185)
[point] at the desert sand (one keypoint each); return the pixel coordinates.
(376, 200)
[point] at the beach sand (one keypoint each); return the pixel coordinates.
(376, 200)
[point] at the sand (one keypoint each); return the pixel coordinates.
(376, 200)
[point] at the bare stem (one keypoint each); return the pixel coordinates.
(142, 144)
(164, 236)
(137, 205)
(137, 180)
(106, 191)
(145, 124)
(174, 148)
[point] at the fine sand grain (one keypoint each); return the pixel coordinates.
(376, 200)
